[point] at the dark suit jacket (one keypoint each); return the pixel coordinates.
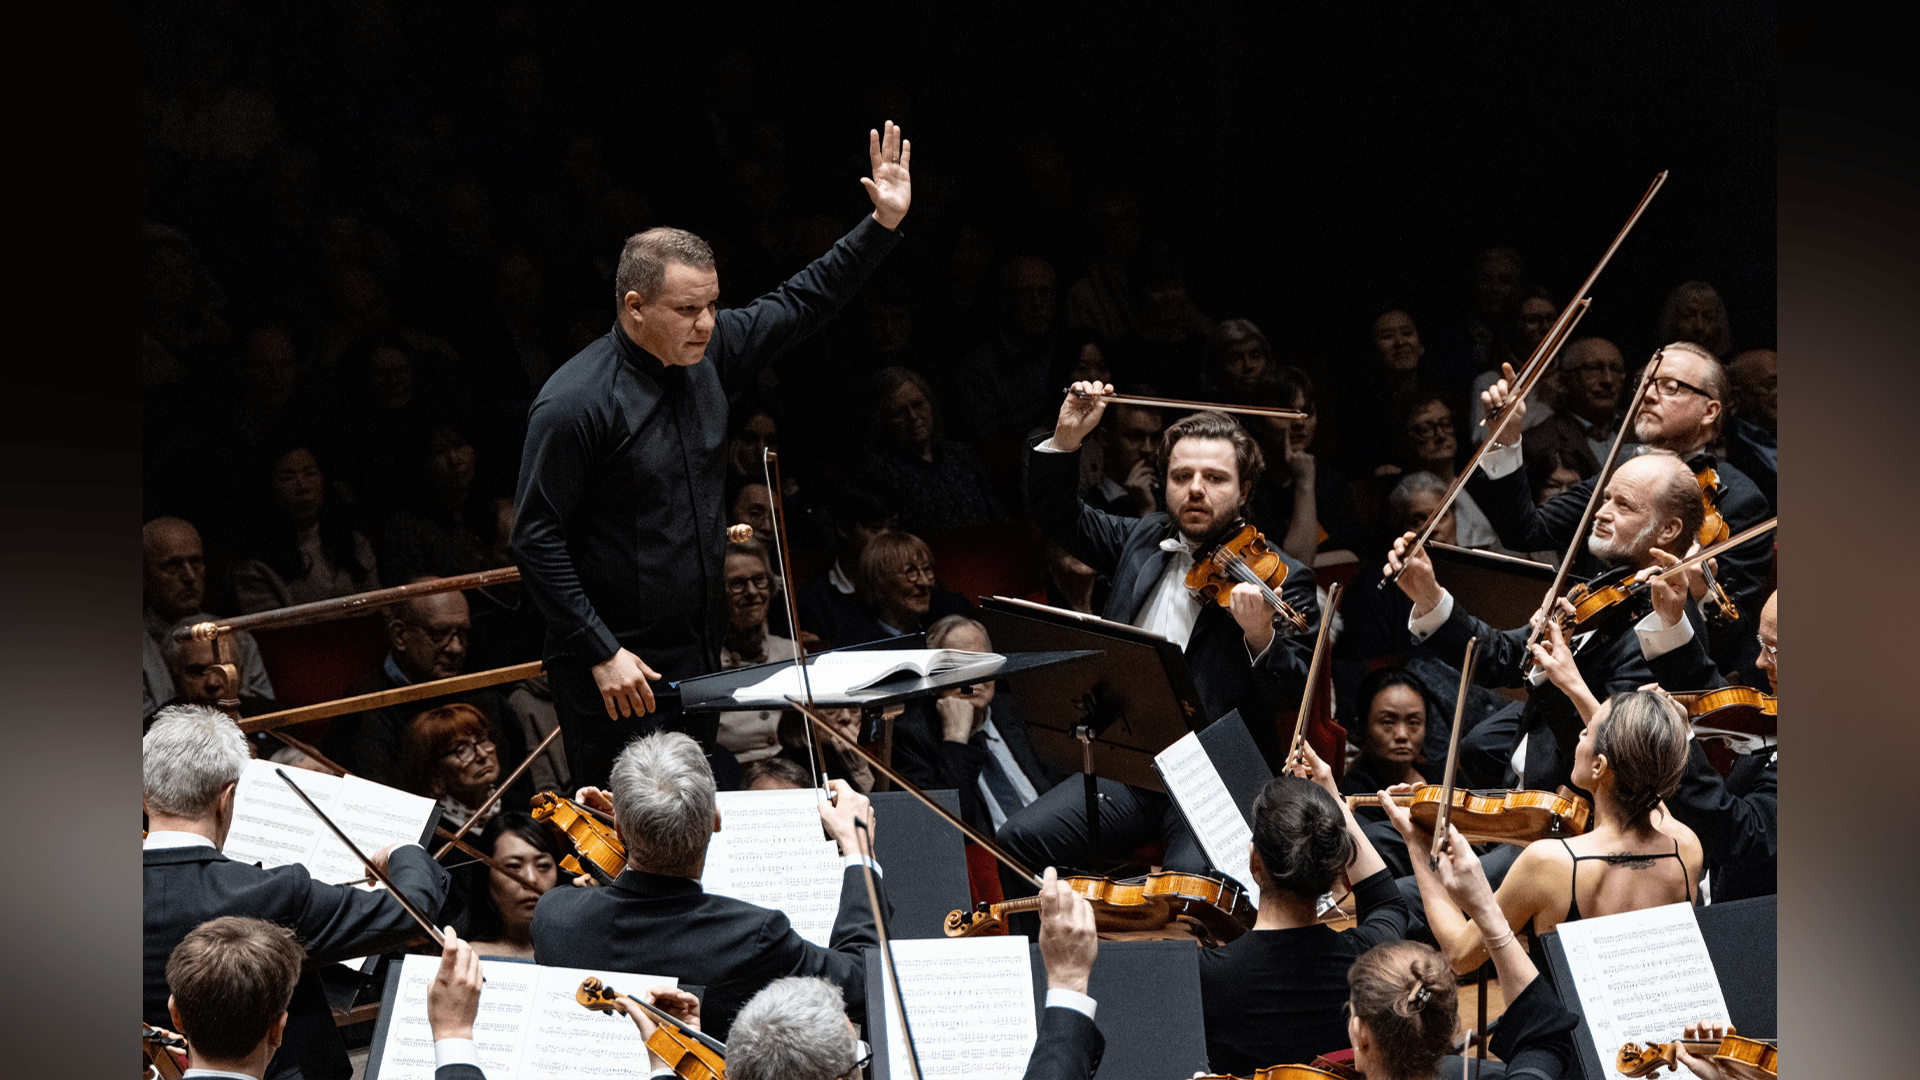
(669, 926)
(927, 759)
(1128, 549)
(1737, 817)
(1069, 1047)
(1611, 663)
(459, 1072)
(1523, 526)
(184, 887)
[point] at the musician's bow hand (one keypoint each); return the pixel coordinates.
(1416, 580)
(1501, 396)
(1080, 413)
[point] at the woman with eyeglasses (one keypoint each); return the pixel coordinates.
(751, 734)
(450, 755)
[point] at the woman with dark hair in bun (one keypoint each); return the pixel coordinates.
(1631, 756)
(500, 908)
(1274, 995)
(1404, 1002)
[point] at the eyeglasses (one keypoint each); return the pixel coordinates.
(1772, 651)
(1611, 371)
(756, 583)
(863, 1054)
(914, 572)
(441, 638)
(466, 752)
(1670, 387)
(1429, 429)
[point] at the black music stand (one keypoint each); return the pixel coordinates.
(1501, 590)
(1106, 718)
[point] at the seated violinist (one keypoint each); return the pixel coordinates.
(1650, 501)
(1737, 817)
(1630, 756)
(1404, 1001)
(1275, 994)
(798, 1029)
(1392, 734)
(500, 908)
(654, 915)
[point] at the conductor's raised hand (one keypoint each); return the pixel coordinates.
(623, 682)
(1417, 580)
(1068, 941)
(1080, 413)
(890, 187)
(1501, 396)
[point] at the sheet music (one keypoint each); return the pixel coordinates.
(272, 827)
(1641, 977)
(529, 1024)
(844, 672)
(1211, 813)
(771, 851)
(971, 1004)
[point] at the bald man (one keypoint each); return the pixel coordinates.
(173, 585)
(1652, 502)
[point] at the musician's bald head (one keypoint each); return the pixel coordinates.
(1769, 660)
(1651, 501)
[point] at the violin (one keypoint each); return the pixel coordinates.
(1215, 910)
(1717, 606)
(1733, 708)
(592, 839)
(1319, 1070)
(1243, 557)
(1737, 1056)
(166, 1053)
(691, 1054)
(1508, 817)
(1617, 593)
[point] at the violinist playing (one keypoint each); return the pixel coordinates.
(1631, 754)
(1275, 993)
(1681, 412)
(1238, 657)
(1737, 817)
(1651, 502)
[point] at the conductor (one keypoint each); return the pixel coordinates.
(620, 530)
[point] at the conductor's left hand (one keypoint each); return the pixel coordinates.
(891, 188)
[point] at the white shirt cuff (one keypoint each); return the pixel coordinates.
(1423, 626)
(1047, 447)
(455, 1052)
(850, 861)
(1502, 460)
(1064, 998)
(1657, 640)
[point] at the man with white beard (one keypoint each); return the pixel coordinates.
(1651, 502)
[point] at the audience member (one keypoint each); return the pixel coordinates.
(899, 590)
(173, 584)
(438, 532)
(750, 734)
(1753, 434)
(1530, 315)
(935, 483)
(1586, 416)
(451, 753)
(1239, 363)
(1695, 313)
(828, 605)
(306, 550)
(999, 390)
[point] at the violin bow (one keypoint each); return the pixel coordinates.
(1551, 346)
(1196, 406)
(1313, 670)
(1445, 818)
(1706, 553)
(499, 790)
(1531, 372)
(453, 839)
(1579, 541)
(913, 789)
(777, 505)
(358, 854)
(886, 947)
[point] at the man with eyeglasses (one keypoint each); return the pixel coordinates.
(1584, 419)
(1736, 816)
(1681, 412)
(426, 640)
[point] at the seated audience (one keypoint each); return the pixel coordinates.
(1239, 363)
(655, 917)
(306, 550)
(970, 738)
(750, 734)
(440, 531)
(191, 761)
(828, 607)
(898, 590)
(451, 753)
(935, 483)
(1586, 415)
(1694, 312)
(1274, 995)
(839, 762)
(173, 585)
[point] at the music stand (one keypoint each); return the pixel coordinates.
(1103, 718)
(1501, 590)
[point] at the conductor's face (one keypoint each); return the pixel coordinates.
(677, 322)
(1203, 485)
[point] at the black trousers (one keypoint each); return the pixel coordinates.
(593, 741)
(1052, 831)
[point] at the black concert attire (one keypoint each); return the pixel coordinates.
(620, 534)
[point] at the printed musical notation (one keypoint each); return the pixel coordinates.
(1641, 977)
(970, 1001)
